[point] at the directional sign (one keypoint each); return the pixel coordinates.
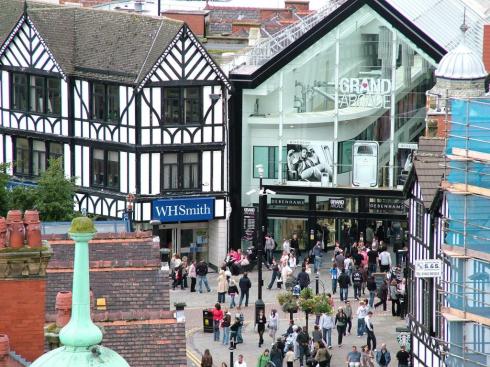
(428, 268)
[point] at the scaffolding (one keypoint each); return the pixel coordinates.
(466, 294)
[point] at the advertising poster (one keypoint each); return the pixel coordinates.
(310, 163)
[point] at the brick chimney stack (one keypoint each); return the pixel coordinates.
(486, 46)
(23, 288)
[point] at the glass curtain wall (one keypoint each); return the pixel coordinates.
(362, 81)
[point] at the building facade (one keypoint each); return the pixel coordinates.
(134, 105)
(334, 114)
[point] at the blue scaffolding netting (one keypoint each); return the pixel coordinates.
(469, 222)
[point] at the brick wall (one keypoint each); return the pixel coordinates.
(196, 22)
(486, 46)
(22, 315)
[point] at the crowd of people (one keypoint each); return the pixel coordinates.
(359, 263)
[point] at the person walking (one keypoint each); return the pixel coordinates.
(273, 324)
(326, 323)
(206, 360)
(372, 260)
(318, 254)
(294, 244)
(290, 357)
(371, 338)
(303, 339)
(225, 324)
(367, 357)
(217, 317)
(383, 357)
(234, 333)
(240, 362)
(395, 301)
(264, 359)
(339, 260)
(383, 295)
(276, 355)
(193, 275)
(276, 274)
(361, 312)
(357, 283)
(222, 286)
(384, 261)
(269, 247)
(201, 272)
(322, 357)
(348, 313)
(303, 278)
(372, 288)
(403, 357)
(245, 284)
(344, 282)
(341, 323)
(353, 357)
(334, 274)
(261, 321)
(232, 291)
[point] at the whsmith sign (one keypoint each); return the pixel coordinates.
(183, 210)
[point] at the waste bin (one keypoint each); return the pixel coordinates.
(207, 321)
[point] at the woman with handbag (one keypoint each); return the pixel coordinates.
(261, 321)
(322, 356)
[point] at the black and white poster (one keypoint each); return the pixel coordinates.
(310, 162)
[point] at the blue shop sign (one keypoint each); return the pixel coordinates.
(182, 210)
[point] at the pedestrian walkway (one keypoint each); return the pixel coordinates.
(198, 341)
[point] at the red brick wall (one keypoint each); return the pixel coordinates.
(299, 5)
(486, 46)
(22, 315)
(195, 21)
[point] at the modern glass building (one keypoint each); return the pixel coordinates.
(332, 116)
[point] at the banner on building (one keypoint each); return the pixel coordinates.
(310, 163)
(431, 268)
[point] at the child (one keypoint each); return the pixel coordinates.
(290, 357)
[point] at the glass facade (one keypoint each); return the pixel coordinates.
(363, 81)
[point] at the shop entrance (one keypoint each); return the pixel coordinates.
(186, 239)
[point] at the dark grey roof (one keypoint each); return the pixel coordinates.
(429, 168)
(99, 44)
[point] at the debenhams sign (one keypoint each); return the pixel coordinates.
(183, 210)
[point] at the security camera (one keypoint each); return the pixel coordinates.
(250, 192)
(270, 192)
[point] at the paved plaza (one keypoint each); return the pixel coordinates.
(197, 341)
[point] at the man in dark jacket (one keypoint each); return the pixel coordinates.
(245, 284)
(303, 339)
(201, 273)
(303, 278)
(344, 282)
(372, 288)
(357, 282)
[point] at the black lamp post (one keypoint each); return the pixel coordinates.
(259, 304)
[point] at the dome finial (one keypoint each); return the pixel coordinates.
(464, 27)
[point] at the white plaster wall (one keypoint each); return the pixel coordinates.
(218, 239)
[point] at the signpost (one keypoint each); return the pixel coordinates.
(431, 268)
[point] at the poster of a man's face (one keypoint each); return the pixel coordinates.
(310, 162)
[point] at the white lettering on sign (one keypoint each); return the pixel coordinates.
(428, 268)
(174, 210)
(365, 92)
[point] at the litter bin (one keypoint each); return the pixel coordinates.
(207, 321)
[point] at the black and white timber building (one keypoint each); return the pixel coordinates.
(134, 105)
(426, 235)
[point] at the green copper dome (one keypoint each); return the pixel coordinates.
(81, 337)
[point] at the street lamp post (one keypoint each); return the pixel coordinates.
(259, 304)
(317, 278)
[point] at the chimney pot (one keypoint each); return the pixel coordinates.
(4, 346)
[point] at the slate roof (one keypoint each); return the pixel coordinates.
(96, 44)
(429, 167)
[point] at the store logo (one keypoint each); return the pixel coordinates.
(183, 210)
(365, 92)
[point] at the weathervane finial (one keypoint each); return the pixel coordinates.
(464, 27)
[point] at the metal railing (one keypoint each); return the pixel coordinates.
(271, 46)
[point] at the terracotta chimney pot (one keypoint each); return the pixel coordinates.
(32, 228)
(3, 233)
(4, 346)
(63, 308)
(15, 229)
